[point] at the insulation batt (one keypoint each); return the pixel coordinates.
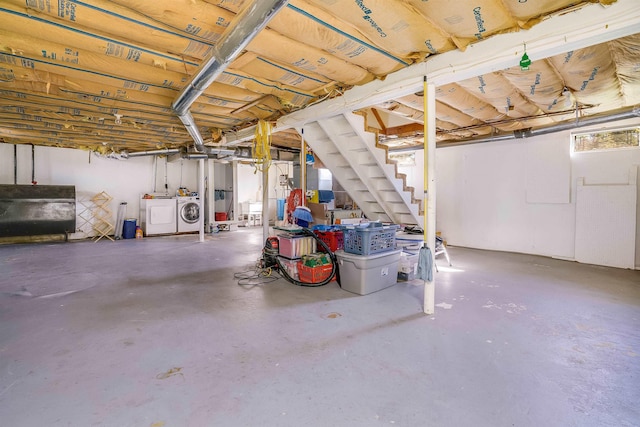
(390, 25)
(314, 26)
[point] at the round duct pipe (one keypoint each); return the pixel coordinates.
(164, 151)
(194, 156)
(628, 113)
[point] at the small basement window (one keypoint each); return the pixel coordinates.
(606, 140)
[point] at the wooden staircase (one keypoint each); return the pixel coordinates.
(363, 169)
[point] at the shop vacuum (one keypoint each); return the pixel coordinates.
(270, 253)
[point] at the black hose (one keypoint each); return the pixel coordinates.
(332, 256)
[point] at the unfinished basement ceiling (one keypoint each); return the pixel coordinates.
(598, 79)
(102, 75)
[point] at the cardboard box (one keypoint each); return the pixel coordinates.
(319, 213)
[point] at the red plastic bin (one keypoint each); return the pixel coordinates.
(333, 239)
(315, 274)
(221, 216)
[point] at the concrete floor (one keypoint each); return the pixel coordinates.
(157, 332)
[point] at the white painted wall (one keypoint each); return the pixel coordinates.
(482, 202)
(504, 196)
(250, 184)
(124, 180)
(223, 180)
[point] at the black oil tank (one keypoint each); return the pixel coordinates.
(32, 210)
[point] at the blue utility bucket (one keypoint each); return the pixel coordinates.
(280, 211)
(129, 229)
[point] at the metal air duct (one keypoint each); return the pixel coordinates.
(627, 113)
(243, 29)
(194, 156)
(164, 151)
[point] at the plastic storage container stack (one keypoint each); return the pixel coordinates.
(369, 261)
(291, 266)
(364, 274)
(408, 266)
(299, 259)
(332, 236)
(314, 268)
(368, 239)
(294, 247)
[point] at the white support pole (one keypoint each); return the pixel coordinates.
(303, 169)
(236, 205)
(265, 202)
(211, 194)
(430, 191)
(202, 195)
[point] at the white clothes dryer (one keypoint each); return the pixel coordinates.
(158, 216)
(188, 214)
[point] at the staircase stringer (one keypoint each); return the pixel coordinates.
(327, 151)
(370, 137)
(356, 168)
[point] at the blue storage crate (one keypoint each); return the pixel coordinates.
(372, 239)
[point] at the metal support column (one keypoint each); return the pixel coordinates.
(201, 191)
(265, 203)
(236, 205)
(430, 189)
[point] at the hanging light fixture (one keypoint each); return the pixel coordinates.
(525, 62)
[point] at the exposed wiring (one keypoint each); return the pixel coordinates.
(254, 278)
(261, 151)
(257, 276)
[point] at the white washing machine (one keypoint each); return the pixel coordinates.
(188, 214)
(158, 216)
